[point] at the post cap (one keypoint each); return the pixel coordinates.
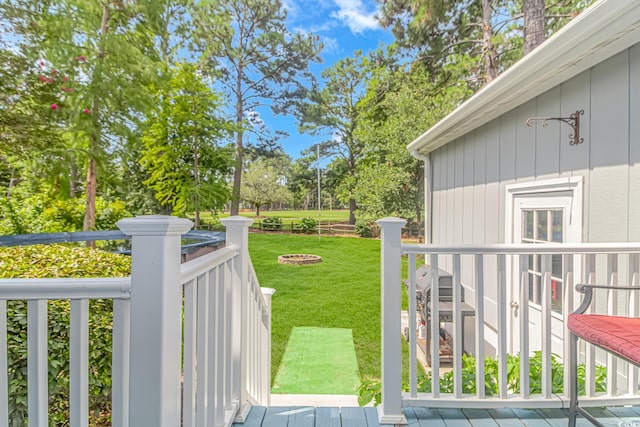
(236, 220)
(154, 225)
(391, 221)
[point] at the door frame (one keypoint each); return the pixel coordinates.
(568, 195)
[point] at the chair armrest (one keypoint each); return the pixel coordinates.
(587, 290)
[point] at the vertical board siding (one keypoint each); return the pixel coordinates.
(608, 189)
(549, 138)
(574, 96)
(492, 174)
(525, 141)
(458, 202)
(506, 150)
(634, 141)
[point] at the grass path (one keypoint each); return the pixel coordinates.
(343, 291)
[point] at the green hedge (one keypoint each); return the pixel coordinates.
(42, 261)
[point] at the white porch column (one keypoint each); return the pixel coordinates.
(390, 410)
(237, 233)
(156, 319)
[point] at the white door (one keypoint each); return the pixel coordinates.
(542, 215)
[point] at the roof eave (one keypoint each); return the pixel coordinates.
(601, 31)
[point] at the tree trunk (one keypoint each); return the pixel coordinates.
(352, 211)
(196, 175)
(91, 186)
(488, 49)
(73, 184)
(257, 210)
(237, 173)
(534, 24)
(237, 177)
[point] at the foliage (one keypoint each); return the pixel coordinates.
(272, 223)
(487, 35)
(257, 61)
(307, 224)
(263, 184)
(366, 228)
(183, 156)
(42, 261)
(40, 213)
(332, 108)
(369, 390)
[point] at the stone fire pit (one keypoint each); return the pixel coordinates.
(299, 259)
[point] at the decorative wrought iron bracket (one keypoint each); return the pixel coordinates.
(573, 120)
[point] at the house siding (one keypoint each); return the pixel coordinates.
(470, 174)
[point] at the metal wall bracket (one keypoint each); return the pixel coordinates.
(573, 120)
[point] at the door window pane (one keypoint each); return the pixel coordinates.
(541, 217)
(544, 226)
(527, 221)
(556, 226)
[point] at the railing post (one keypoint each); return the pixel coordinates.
(390, 410)
(156, 319)
(237, 233)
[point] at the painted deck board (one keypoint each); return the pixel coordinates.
(479, 417)
(505, 417)
(354, 417)
(328, 417)
(304, 416)
(423, 417)
(308, 416)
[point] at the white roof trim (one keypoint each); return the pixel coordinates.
(601, 31)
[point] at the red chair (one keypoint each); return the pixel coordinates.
(618, 335)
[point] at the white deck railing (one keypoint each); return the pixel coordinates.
(191, 342)
(495, 282)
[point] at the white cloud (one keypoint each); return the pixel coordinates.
(331, 45)
(355, 15)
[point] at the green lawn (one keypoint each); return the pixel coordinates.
(343, 291)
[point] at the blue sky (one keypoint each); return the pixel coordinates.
(343, 27)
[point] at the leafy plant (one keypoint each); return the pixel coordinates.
(307, 225)
(366, 229)
(370, 389)
(272, 223)
(45, 261)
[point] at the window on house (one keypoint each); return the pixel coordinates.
(544, 226)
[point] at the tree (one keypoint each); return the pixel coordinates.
(258, 61)
(263, 185)
(440, 32)
(105, 96)
(534, 32)
(485, 34)
(399, 105)
(187, 168)
(333, 109)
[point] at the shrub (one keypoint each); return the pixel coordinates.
(272, 223)
(370, 390)
(366, 228)
(42, 261)
(307, 225)
(41, 214)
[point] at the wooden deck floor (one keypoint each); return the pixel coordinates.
(306, 416)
